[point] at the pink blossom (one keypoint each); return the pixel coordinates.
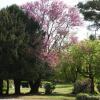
(56, 18)
(73, 39)
(52, 58)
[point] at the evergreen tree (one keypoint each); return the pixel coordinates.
(91, 10)
(20, 44)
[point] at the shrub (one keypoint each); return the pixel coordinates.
(49, 87)
(81, 86)
(84, 96)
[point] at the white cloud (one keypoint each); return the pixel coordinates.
(73, 2)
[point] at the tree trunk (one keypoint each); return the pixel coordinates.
(75, 77)
(17, 86)
(35, 86)
(92, 85)
(7, 92)
(1, 86)
(91, 79)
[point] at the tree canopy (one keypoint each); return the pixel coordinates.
(20, 43)
(82, 59)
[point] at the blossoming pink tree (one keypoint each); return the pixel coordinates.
(56, 19)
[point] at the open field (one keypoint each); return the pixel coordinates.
(62, 92)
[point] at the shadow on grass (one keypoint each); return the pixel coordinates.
(11, 96)
(59, 94)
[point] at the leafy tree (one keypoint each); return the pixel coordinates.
(90, 62)
(70, 63)
(83, 59)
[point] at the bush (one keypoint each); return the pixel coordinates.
(98, 87)
(84, 96)
(49, 87)
(81, 86)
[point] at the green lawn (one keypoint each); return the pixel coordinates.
(62, 92)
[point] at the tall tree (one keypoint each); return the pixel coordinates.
(56, 18)
(91, 10)
(70, 63)
(20, 45)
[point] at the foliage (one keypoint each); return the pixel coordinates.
(49, 87)
(70, 63)
(90, 50)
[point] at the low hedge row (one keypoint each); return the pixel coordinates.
(84, 96)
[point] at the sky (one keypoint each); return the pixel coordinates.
(4, 3)
(82, 32)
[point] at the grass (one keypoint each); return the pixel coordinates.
(62, 92)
